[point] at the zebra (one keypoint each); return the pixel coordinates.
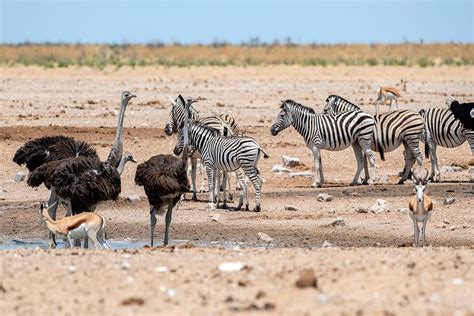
(227, 154)
(391, 130)
(224, 123)
(330, 132)
(443, 129)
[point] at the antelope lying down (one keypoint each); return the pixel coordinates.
(421, 206)
(81, 226)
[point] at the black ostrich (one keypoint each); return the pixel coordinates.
(165, 180)
(464, 112)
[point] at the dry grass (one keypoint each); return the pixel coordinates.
(63, 55)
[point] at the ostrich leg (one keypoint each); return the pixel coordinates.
(171, 204)
(152, 223)
(53, 202)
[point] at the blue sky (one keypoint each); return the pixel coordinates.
(188, 21)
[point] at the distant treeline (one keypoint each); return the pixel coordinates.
(224, 54)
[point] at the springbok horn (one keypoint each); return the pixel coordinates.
(415, 176)
(426, 176)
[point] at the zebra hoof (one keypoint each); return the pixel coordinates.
(247, 208)
(224, 206)
(401, 181)
(257, 208)
(194, 197)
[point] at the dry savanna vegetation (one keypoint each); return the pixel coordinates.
(224, 54)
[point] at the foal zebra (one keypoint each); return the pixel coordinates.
(391, 130)
(330, 132)
(225, 153)
(224, 123)
(443, 129)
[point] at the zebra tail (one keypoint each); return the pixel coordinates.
(427, 150)
(265, 154)
(381, 152)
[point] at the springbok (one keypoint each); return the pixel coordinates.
(391, 94)
(81, 226)
(421, 206)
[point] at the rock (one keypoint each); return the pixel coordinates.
(324, 197)
(306, 174)
(264, 237)
(453, 227)
(161, 269)
(449, 169)
(448, 201)
(361, 209)
(383, 178)
(404, 210)
(347, 192)
(125, 265)
(133, 198)
(327, 244)
(290, 208)
(280, 169)
(457, 281)
(379, 206)
(445, 221)
(338, 222)
(290, 161)
(214, 217)
(20, 176)
(307, 279)
(71, 269)
(465, 226)
(231, 266)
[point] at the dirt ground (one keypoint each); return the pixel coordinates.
(371, 268)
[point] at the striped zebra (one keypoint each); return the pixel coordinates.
(391, 130)
(227, 154)
(224, 123)
(330, 132)
(443, 129)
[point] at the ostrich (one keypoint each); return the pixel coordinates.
(165, 180)
(82, 182)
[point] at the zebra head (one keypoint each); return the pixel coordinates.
(329, 108)
(177, 113)
(284, 118)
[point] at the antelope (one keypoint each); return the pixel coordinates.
(421, 206)
(81, 226)
(391, 94)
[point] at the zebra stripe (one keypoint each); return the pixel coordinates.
(177, 116)
(225, 154)
(330, 132)
(443, 129)
(392, 129)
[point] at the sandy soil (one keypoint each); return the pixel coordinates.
(373, 268)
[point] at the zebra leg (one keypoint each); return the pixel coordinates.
(254, 175)
(470, 140)
(365, 144)
(360, 162)
(409, 161)
(193, 176)
(366, 169)
(224, 187)
(321, 175)
(317, 167)
(210, 181)
(243, 190)
(202, 170)
(435, 173)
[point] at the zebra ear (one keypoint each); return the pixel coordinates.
(172, 101)
(181, 99)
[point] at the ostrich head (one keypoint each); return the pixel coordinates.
(127, 156)
(127, 96)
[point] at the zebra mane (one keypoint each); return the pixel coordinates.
(298, 106)
(341, 98)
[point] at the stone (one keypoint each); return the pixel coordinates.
(214, 217)
(133, 198)
(445, 221)
(280, 169)
(290, 161)
(448, 201)
(449, 169)
(125, 265)
(338, 222)
(264, 237)
(20, 176)
(231, 266)
(361, 209)
(307, 279)
(327, 244)
(290, 208)
(306, 174)
(379, 206)
(453, 227)
(324, 197)
(71, 269)
(347, 192)
(383, 178)
(404, 210)
(161, 269)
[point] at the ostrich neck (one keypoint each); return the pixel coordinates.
(117, 148)
(121, 165)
